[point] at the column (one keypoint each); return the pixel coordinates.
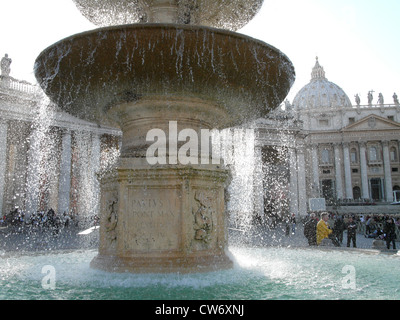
(83, 173)
(388, 172)
(3, 159)
(95, 167)
(302, 182)
(294, 196)
(315, 167)
(258, 183)
(364, 171)
(338, 172)
(64, 186)
(347, 171)
(33, 176)
(398, 150)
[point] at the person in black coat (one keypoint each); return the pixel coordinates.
(338, 228)
(389, 231)
(310, 230)
(351, 232)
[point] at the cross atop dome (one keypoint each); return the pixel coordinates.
(318, 71)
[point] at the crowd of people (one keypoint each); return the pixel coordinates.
(319, 231)
(19, 221)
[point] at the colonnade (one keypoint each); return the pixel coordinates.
(345, 169)
(344, 183)
(70, 161)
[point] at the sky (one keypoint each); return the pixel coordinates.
(357, 41)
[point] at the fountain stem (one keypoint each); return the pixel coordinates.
(163, 11)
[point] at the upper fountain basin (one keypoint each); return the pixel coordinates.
(225, 14)
(89, 73)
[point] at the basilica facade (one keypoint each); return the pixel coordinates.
(346, 154)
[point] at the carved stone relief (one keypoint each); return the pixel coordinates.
(111, 218)
(203, 216)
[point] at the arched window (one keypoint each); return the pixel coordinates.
(353, 155)
(393, 154)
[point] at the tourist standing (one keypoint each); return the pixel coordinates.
(389, 231)
(310, 230)
(323, 230)
(287, 226)
(368, 225)
(351, 232)
(293, 222)
(338, 228)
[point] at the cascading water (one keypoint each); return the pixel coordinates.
(237, 148)
(44, 157)
(40, 150)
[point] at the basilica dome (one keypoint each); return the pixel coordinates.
(321, 93)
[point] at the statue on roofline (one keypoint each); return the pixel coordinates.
(5, 65)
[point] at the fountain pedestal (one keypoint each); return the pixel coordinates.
(159, 215)
(162, 219)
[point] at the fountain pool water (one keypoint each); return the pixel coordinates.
(258, 274)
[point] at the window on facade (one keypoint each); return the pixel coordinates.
(393, 154)
(328, 190)
(373, 154)
(352, 120)
(323, 123)
(391, 118)
(325, 156)
(353, 156)
(355, 170)
(395, 169)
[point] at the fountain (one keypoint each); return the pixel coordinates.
(172, 67)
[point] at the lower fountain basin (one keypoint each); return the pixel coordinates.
(88, 73)
(258, 274)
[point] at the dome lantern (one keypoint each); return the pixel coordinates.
(318, 71)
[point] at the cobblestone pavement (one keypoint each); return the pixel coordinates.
(68, 238)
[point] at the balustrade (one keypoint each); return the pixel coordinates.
(17, 85)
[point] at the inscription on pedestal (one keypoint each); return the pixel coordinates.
(152, 221)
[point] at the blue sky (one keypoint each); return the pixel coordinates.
(357, 41)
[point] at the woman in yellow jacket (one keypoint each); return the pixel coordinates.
(322, 228)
